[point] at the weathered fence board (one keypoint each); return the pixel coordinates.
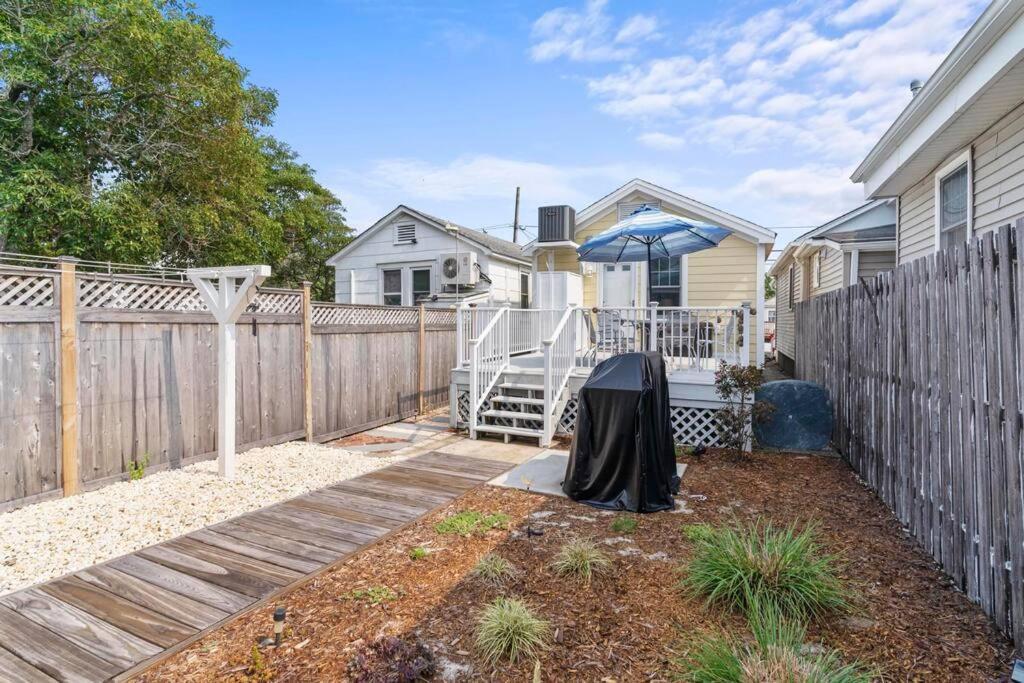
(924, 366)
(146, 375)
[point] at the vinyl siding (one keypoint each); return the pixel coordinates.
(917, 221)
(831, 271)
(999, 173)
(785, 328)
(871, 263)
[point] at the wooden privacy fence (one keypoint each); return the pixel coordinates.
(924, 367)
(135, 360)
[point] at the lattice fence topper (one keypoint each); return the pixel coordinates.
(139, 294)
(24, 289)
(348, 314)
(282, 301)
(440, 316)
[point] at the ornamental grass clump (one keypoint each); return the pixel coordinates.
(468, 522)
(494, 569)
(776, 655)
(509, 630)
(581, 559)
(766, 565)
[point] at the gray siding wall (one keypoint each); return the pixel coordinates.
(785, 329)
(871, 263)
(831, 271)
(998, 175)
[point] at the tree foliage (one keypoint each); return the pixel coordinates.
(127, 134)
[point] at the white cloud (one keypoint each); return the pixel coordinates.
(861, 11)
(787, 104)
(804, 195)
(657, 140)
(588, 35)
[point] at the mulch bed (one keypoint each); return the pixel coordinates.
(627, 626)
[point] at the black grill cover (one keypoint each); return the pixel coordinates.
(623, 457)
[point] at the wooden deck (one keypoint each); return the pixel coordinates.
(103, 621)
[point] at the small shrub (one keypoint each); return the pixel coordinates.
(776, 655)
(734, 422)
(137, 468)
(509, 630)
(762, 564)
(581, 559)
(257, 669)
(494, 569)
(374, 595)
(624, 525)
(469, 522)
(698, 532)
(392, 660)
(417, 553)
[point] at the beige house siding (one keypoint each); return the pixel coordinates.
(999, 173)
(997, 170)
(831, 271)
(785, 328)
(871, 263)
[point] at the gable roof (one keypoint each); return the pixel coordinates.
(852, 228)
(711, 214)
(490, 244)
(979, 82)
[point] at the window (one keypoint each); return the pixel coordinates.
(420, 285)
(819, 263)
(792, 285)
(391, 281)
(405, 233)
(953, 202)
(665, 281)
(524, 290)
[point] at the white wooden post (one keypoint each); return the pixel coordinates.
(460, 334)
(226, 292)
(652, 343)
(745, 357)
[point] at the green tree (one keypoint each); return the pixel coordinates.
(769, 286)
(127, 134)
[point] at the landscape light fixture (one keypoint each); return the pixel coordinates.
(279, 614)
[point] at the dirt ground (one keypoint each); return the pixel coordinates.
(909, 622)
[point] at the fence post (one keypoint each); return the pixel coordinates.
(652, 342)
(307, 360)
(746, 333)
(69, 376)
(422, 356)
(460, 334)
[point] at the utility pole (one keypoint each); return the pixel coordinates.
(515, 221)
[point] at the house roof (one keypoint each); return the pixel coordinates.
(704, 211)
(489, 243)
(979, 82)
(871, 223)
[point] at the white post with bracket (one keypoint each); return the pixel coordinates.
(226, 292)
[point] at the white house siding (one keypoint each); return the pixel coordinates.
(917, 221)
(999, 173)
(505, 287)
(831, 271)
(785, 328)
(871, 263)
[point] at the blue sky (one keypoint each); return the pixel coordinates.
(758, 108)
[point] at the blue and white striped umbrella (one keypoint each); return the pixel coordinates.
(647, 234)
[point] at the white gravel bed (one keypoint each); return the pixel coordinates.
(52, 538)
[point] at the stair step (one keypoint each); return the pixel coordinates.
(512, 431)
(518, 399)
(521, 387)
(512, 415)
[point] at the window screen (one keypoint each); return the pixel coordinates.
(420, 285)
(392, 287)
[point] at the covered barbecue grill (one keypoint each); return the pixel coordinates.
(623, 456)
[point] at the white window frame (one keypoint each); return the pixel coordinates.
(954, 165)
(791, 294)
(816, 269)
(404, 224)
(412, 290)
(401, 284)
(683, 272)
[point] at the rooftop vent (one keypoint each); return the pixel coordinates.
(915, 87)
(556, 223)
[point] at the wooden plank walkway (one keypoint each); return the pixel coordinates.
(103, 621)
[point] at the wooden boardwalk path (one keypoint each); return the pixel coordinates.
(101, 622)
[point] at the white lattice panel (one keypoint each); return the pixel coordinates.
(26, 290)
(694, 426)
(143, 295)
(272, 301)
(347, 314)
(440, 316)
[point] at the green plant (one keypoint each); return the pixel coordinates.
(257, 665)
(469, 522)
(698, 532)
(582, 559)
(624, 525)
(507, 629)
(776, 655)
(392, 660)
(137, 468)
(734, 421)
(494, 569)
(374, 595)
(761, 564)
(417, 553)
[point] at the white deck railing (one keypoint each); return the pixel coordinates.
(559, 361)
(488, 357)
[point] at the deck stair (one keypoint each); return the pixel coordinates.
(518, 411)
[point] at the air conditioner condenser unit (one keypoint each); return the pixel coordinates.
(459, 269)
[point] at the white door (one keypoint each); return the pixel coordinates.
(618, 285)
